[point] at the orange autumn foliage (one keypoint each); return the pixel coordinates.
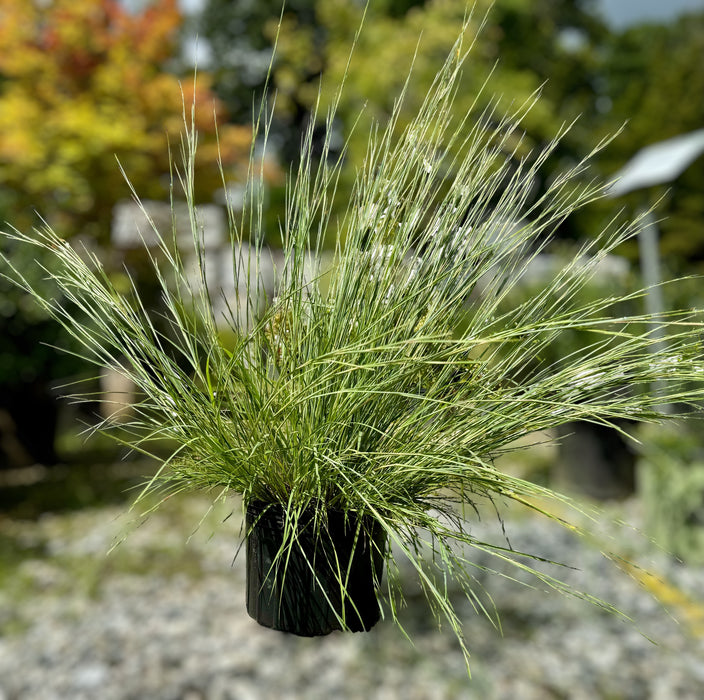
(85, 81)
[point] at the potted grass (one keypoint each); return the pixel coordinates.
(358, 411)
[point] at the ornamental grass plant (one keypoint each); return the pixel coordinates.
(385, 386)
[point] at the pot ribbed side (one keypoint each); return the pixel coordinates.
(302, 594)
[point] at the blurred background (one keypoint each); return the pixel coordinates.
(88, 87)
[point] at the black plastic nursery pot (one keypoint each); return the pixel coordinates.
(301, 592)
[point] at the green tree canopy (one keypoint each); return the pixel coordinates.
(541, 51)
(655, 84)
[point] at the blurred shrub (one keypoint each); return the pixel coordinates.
(28, 337)
(671, 483)
(30, 367)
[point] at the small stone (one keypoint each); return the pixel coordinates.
(91, 676)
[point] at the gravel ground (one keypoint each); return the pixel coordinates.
(163, 618)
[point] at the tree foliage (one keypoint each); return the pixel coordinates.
(83, 81)
(242, 37)
(656, 87)
(526, 44)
